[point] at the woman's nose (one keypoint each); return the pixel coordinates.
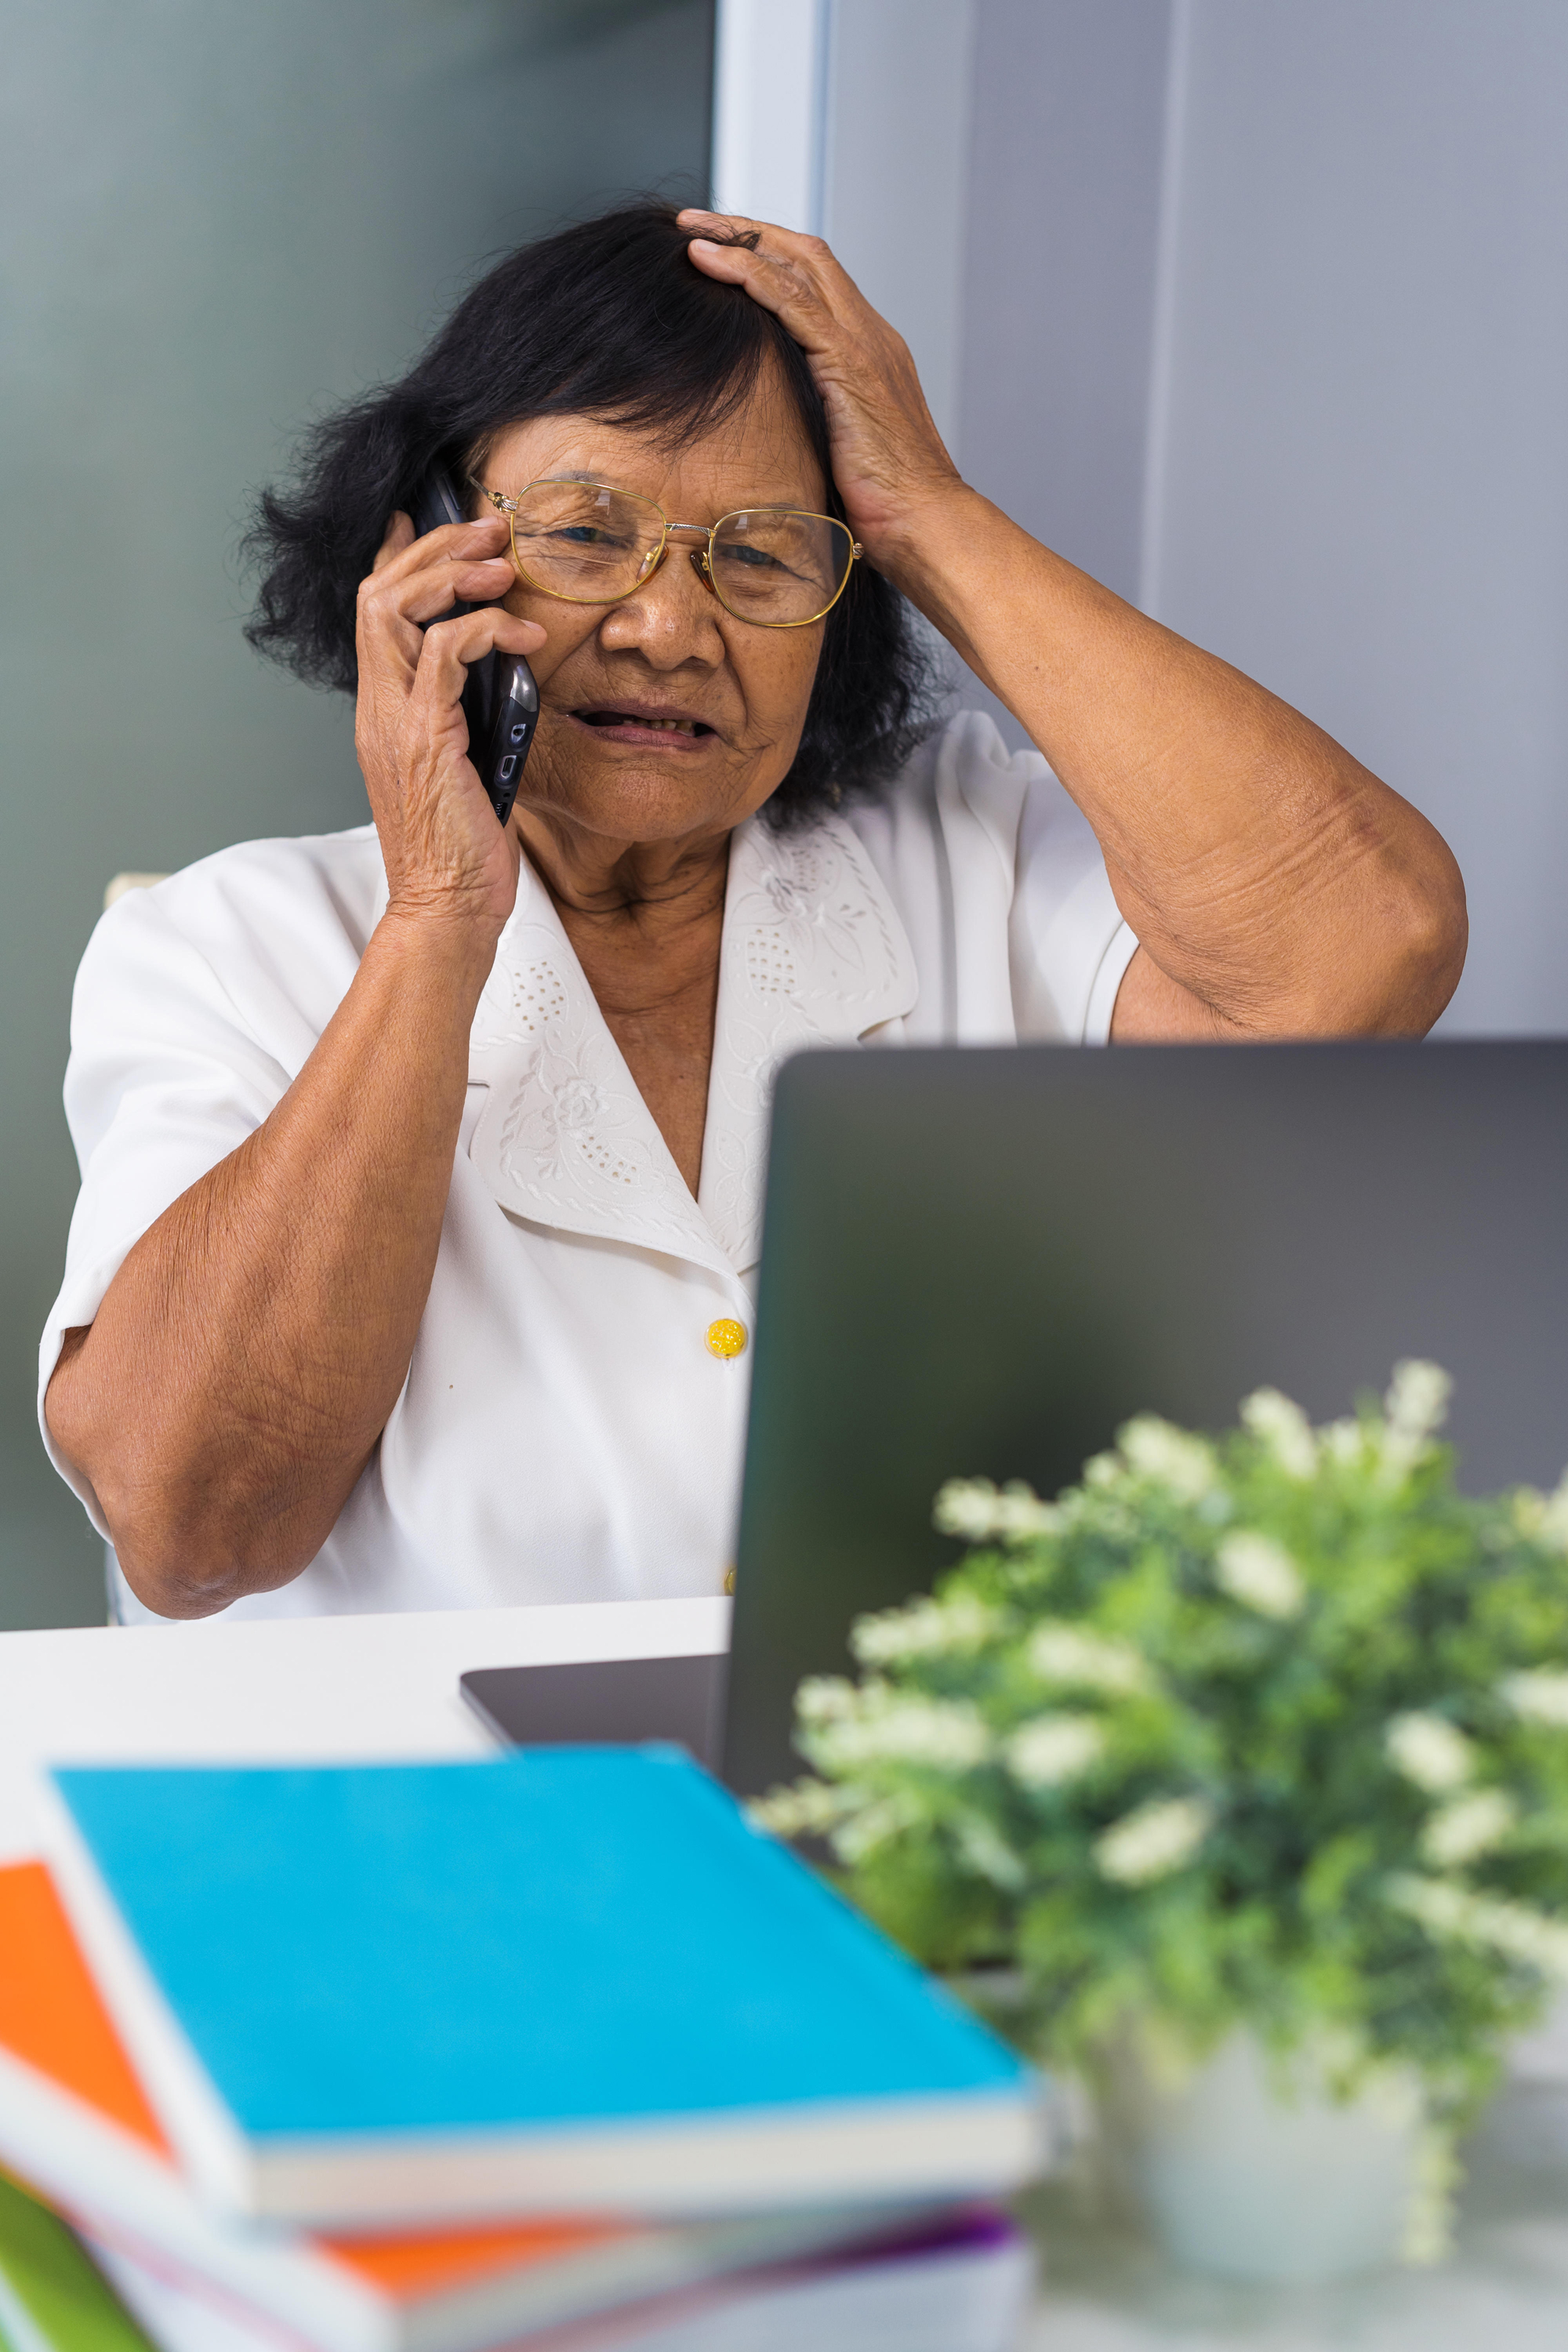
(666, 611)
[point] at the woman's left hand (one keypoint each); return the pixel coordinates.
(889, 461)
(1277, 888)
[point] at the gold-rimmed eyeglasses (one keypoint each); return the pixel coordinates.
(590, 543)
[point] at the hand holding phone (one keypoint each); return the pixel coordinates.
(501, 700)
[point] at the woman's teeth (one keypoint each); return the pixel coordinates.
(632, 719)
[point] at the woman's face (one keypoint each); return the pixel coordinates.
(671, 651)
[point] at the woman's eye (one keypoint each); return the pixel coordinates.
(752, 559)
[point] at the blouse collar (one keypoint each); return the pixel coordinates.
(812, 953)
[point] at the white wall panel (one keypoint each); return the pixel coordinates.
(851, 119)
(1364, 492)
(769, 73)
(1063, 229)
(897, 169)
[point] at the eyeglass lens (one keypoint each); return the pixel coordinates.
(593, 545)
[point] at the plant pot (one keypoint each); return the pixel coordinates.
(1247, 2166)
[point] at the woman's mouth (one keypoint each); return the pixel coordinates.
(670, 730)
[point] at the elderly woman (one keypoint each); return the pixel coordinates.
(422, 1162)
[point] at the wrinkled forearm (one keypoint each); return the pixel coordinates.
(244, 1359)
(1276, 886)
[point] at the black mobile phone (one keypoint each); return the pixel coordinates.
(501, 700)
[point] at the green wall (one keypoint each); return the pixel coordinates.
(217, 219)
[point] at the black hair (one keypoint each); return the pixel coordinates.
(607, 319)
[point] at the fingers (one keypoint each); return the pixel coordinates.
(794, 276)
(451, 647)
(783, 255)
(425, 594)
(788, 241)
(409, 727)
(413, 581)
(400, 554)
(410, 731)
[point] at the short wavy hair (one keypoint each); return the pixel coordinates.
(610, 319)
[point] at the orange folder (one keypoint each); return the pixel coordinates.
(76, 2126)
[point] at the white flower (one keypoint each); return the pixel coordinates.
(1540, 1697)
(1065, 1654)
(1417, 1401)
(1054, 1748)
(925, 1629)
(578, 1103)
(1435, 2175)
(1157, 1450)
(1511, 1929)
(862, 1831)
(987, 1854)
(1254, 1569)
(1544, 1517)
(1430, 1752)
(1021, 1516)
(810, 1808)
(826, 1698)
(853, 1821)
(1467, 1826)
(1343, 1442)
(1554, 1528)
(966, 1507)
(947, 1735)
(1155, 1841)
(1284, 1429)
(1528, 1510)
(977, 1511)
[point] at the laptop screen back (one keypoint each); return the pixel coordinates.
(980, 1263)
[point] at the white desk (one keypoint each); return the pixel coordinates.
(317, 1688)
(371, 1687)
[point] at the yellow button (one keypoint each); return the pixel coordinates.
(725, 1338)
(728, 1579)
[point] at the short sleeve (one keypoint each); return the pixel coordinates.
(1068, 944)
(165, 1080)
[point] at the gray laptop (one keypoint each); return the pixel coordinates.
(980, 1262)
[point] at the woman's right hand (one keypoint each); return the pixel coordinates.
(278, 1299)
(444, 852)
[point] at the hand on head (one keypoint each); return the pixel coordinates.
(889, 461)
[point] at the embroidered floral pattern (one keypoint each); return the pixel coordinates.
(824, 958)
(813, 953)
(770, 966)
(562, 1118)
(519, 1000)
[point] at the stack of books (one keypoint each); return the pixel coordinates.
(552, 2053)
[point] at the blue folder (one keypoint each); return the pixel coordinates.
(569, 1978)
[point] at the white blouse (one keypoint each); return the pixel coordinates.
(565, 1431)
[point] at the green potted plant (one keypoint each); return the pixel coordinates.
(1243, 1770)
